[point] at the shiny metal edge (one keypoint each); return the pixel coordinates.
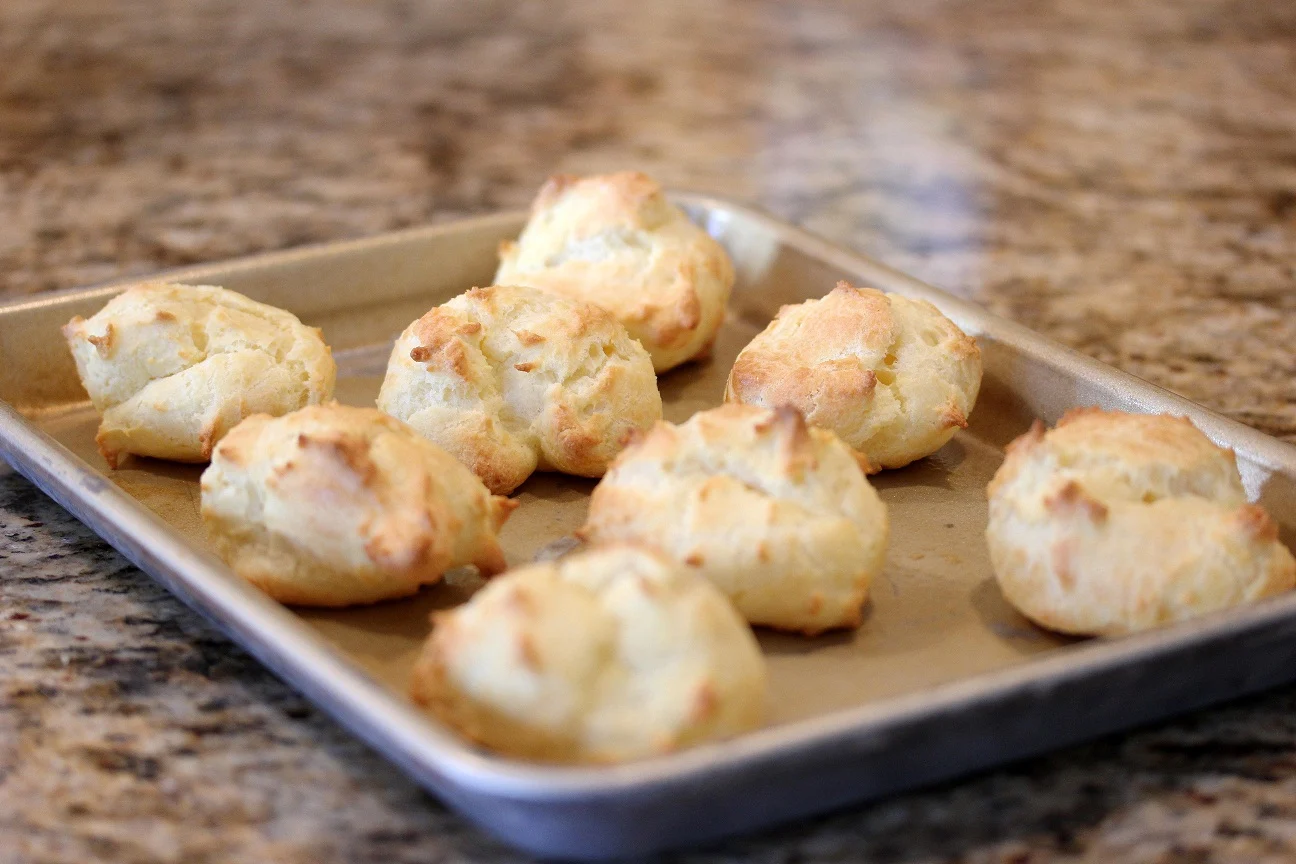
(580, 797)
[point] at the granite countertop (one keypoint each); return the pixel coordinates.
(1121, 176)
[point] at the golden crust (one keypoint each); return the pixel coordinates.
(514, 380)
(615, 241)
(171, 368)
(893, 377)
(334, 506)
(603, 656)
(776, 514)
(1113, 522)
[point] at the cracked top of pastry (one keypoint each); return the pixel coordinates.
(512, 380)
(334, 505)
(777, 514)
(1114, 522)
(602, 656)
(892, 376)
(174, 367)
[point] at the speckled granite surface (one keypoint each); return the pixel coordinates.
(1121, 176)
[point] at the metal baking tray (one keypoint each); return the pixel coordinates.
(942, 678)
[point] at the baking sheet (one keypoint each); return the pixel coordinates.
(934, 615)
(935, 629)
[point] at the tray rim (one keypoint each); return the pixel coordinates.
(439, 758)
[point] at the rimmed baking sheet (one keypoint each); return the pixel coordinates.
(942, 677)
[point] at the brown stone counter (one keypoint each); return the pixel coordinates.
(1121, 176)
